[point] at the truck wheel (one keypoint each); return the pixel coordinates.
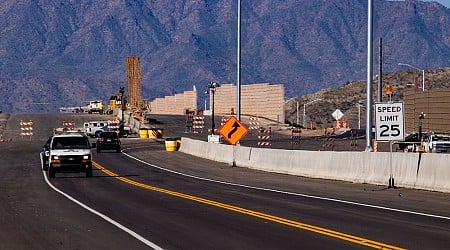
(118, 150)
(89, 172)
(45, 167)
(51, 172)
(44, 163)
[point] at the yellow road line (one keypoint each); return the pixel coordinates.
(292, 223)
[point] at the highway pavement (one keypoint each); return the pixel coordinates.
(146, 197)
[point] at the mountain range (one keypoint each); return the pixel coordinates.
(65, 52)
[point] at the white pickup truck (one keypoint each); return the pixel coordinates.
(67, 152)
(90, 128)
(95, 107)
(437, 143)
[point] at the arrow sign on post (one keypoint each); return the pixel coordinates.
(233, 130)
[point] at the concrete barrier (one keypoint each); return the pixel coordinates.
(426, 171)
(212, 151)
(434, 172)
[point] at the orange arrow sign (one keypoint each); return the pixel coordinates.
(233, 130)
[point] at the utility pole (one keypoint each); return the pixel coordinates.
(380, 72)
(238, 80)
(369, 77)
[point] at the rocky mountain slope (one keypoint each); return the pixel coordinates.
(63, 52)
(347, 96)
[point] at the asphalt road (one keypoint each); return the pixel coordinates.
(147, 197)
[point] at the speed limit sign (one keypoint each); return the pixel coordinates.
(389, 121)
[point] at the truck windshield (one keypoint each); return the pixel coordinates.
(70, 142)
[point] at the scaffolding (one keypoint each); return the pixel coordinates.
(134, 83)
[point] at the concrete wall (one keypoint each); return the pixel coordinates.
(411, 170)
(434, 103)
(266, 100)
(176, 104)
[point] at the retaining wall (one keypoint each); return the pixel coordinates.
(411, 170)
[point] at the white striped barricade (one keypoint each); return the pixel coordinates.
(296, 137)
(68, 125)
(253, 123)
(328, 142)
(26, 128)
(113, 125)
(198, 123)
(265, 137)
(223, 120)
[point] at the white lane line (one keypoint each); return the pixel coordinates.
(287, 192)
(106, 218)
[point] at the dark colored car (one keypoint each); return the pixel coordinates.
(108, 140)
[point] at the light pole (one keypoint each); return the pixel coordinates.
(423, 73)
(359, 103)
(304, 110)
(421, 117)
(212, 90)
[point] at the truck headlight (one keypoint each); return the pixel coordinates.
(86, 158)
(55, 159)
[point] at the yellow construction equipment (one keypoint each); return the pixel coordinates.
(117, 101)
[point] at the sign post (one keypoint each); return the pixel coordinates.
(390, 127)
(232, 131)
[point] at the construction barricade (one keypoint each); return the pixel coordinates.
(198, 123)
(26, 128)
(328, 142)
(296, 137)
(265, 137)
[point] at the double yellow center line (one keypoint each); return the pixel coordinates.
(276, 219)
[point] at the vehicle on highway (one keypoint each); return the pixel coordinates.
(410, 144)
(108, 140)
(90, 128)
(69, 152)
(119, 128)
(437, 143)
(95, 107)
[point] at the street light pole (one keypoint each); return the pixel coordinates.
(212, 90)
(238, 64)
(304, 114)
(369, 88)
(304, 110)
(423, 73)
(359, 103)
